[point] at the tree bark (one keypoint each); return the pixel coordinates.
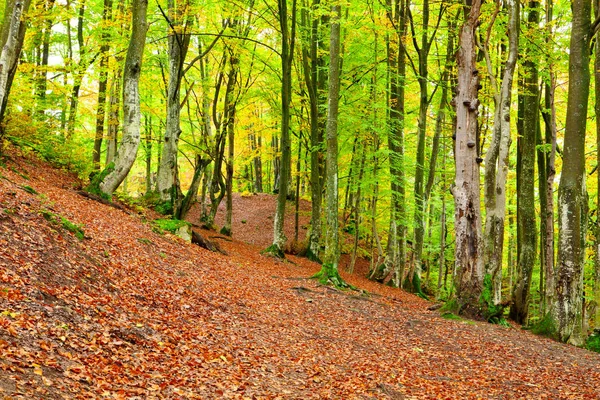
(329, 271)
(114, 173)
(288, 37)
(496, 164)
(468, 280)
(13, 34)
(102, 83)
(572, 195)
(178, 42)
(526, 222)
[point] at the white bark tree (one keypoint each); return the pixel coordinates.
(11, 40)
(115, 172)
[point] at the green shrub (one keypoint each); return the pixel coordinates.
(545, 326)
(593, 342)
(168, 225)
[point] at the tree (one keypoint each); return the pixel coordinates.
(496, 160)
(102, 83)
(114, 173)
(526, 222)
(469, 274)
(288, 38)
(329, 270)
(572, 195)
(179, 20)
(13, 34)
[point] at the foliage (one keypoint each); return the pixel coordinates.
(545, 327)
(168, 225)
(593, 342)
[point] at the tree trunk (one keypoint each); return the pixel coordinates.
(226, 229)
(288, 38)
(596, 313)
(572, 196)
(102, 83)
(13, 34)
(115, 172)
(178, 41)
(329, 271)
(469, 271)
(549, 115)
(526, 223)
(496, 165)
(311, 61)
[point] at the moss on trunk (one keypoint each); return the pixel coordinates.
(329, 275)
(273, 251)
(96, 180)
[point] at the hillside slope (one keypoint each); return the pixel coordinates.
(125, 313)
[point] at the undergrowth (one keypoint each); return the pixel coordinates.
(56, 219)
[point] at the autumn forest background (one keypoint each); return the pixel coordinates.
(450, 148)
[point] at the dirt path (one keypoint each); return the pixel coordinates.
(126, 313)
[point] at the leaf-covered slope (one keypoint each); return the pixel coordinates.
(127, 313)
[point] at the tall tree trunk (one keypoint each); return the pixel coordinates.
(288, 37)
(114, 173)
(469, 271)
(13, 34)
(496, 166)
(549, 115)
(178, 41)
(78, 73)
(329, 271)
(596, 314)
(572, 195)
(114, 108)
(102, 83)
(226, 229)
(148, 124)
(311, 61)
(526, 223)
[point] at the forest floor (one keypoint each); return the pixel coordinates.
(126, 313)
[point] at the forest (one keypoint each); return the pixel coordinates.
(452, 145)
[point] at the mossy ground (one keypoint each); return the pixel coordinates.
(168, 225)
(75, 229)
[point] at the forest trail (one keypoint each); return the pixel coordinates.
(126, 313)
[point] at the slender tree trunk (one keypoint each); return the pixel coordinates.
(469, 241)
(79, 72)
(357, 201)
(226, 229)
(178, 41)
(526, 223)
(288, 38)
(596, 313)
(148, 123)
(313, 79)
(102, 83)
(13, 34)
(550, 123)
(496, 165)
(329, 271)
(572, 195)
(114, 173)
